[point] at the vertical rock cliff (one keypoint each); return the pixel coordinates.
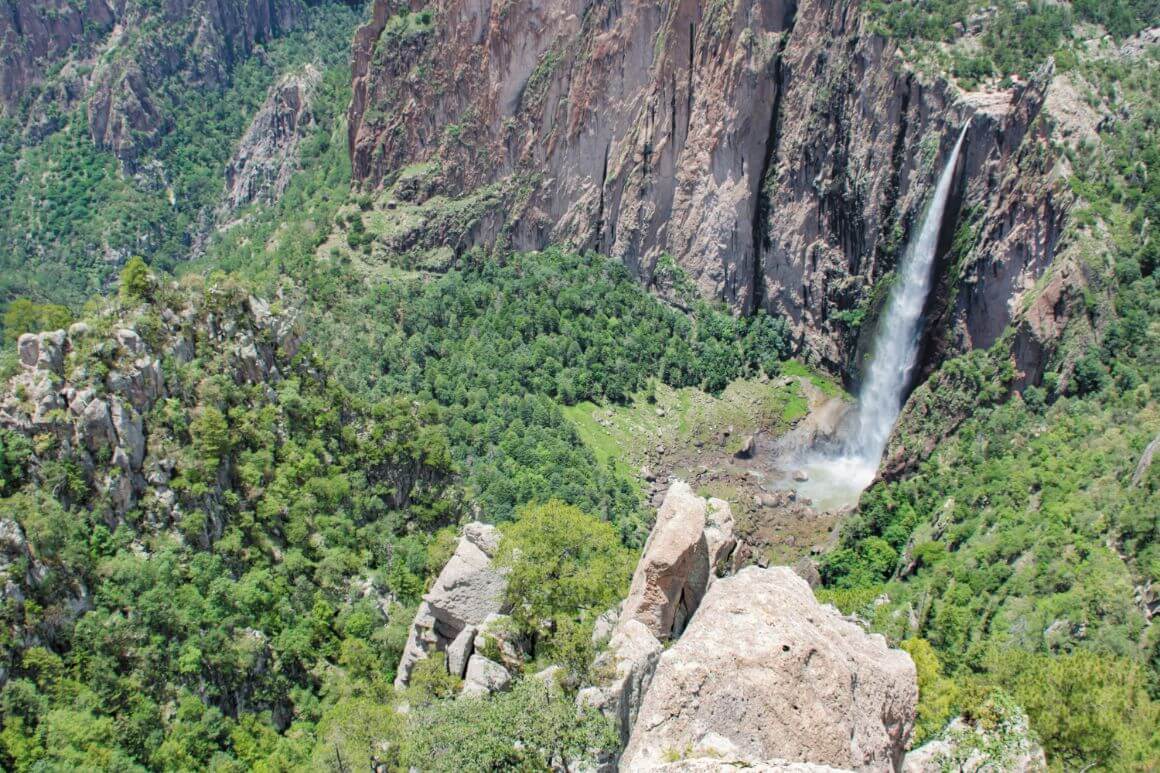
(779, 152)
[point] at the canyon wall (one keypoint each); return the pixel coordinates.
(112, 56)
(778, 152)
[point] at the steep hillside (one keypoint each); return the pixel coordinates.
(201, 534)
(116, 145)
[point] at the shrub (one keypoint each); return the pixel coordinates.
(561, 561)
(136, 286)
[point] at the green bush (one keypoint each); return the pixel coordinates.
(561, 562)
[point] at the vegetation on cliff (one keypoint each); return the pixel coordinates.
(977, 39)
(74, 212)
(1025, 546)
(237, 598)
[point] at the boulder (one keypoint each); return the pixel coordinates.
(627, 667)
(765, 673)
(95, 429)
(28, 346)
(552, 676)
(484, 677)
(807, 569)
(687, 543)
(50, 354)
(466, 593)
(748, 448)
(129, 341)
(459, 651)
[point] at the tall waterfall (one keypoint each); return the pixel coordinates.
(899, 330)
(838, 479)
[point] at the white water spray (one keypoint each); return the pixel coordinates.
(836, 480)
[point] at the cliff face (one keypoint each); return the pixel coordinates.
(34, 34)
(780, 152)
(112, 57)
(267, 155)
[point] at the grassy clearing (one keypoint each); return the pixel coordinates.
(678, 421)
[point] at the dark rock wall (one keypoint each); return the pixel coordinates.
(780, 152)
(113, 56)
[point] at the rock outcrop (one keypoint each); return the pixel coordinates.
(779, 152)
(689, 545)
(690, 541)
(764, 673)
(97, 418)
(1007, 744)
(466, 594)
(97, 427)
(267, 155)
(112, 56)
(627, 664)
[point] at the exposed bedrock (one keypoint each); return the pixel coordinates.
(765, 674)
(112, 56)
(267, 154)
(779, 152)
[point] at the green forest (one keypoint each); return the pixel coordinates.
(241, 601)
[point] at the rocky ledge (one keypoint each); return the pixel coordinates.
(765, 674)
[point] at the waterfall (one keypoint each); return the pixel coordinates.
(837, 479)
(900, 330)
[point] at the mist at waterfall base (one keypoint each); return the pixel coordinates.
(838, 474)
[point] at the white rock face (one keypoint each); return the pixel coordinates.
(466, 593)
(764, 673)
(630, 660)
(484, 677)
(691, 537)
(267, 154)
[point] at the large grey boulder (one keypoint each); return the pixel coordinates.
(627, 666)
(690, 539)
(765, 673)
(484, 677)
(459, 651)
(467, 591)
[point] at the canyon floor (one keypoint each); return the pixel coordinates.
(730, 446)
